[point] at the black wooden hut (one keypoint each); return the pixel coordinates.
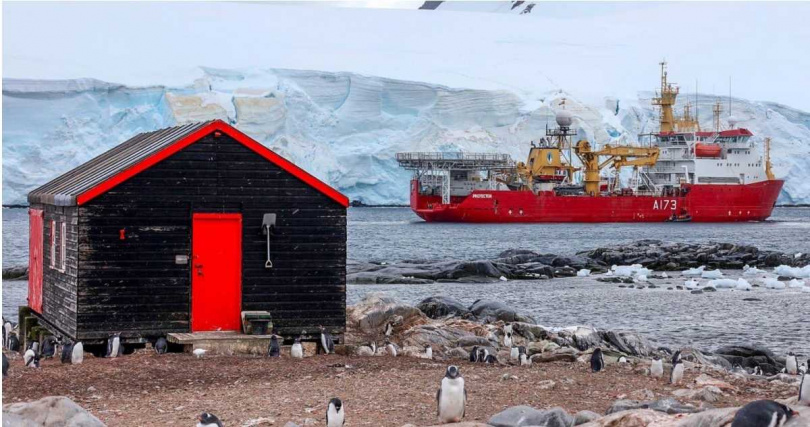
(182, 229)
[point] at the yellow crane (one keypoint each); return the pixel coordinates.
(618, 157)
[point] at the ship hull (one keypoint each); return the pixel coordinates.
(698, 202)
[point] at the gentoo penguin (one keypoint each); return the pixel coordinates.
(507, 340)
(483, 355)
(77, 355)
(507, 328)
(31, 359)
(34, 345)
(199, 352)
(491, 359)
(327, 344)
(525, 360)
(757, 370)
(474, 354)
(451, 399)
(67, 351)
(389, 329)
(161, 345)
(5, 365)
(335, 417)
(113, 345)
(514, 353)
(297, 350)
(791, 364)
(762, 413)
(428, 352)
(804, 368)
(13, 342)
(208, 420)
(657, 367)
(274, 350)
(597, 360)
(390, 348)
(622, 359)
(676, 375)
(49, 346)
(7, 328)
(804, 389)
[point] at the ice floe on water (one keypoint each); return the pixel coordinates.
(739, 284)
(795, 283)
(694, 271)
(711, 274)
(788, 271)
(772, 283)
(691, 284)
(630, 270)
(583, 273)
(752, 271)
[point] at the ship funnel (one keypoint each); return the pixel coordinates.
(564, 119)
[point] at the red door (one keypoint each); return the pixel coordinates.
(216, 272)
(35, 241)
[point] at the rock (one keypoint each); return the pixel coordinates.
(262, 421)
(529, 331)
(636, 418)
(629, 343)
(376, 310)
(291, 424)
(709, 289)
(564, 354)
(457, 353)
(668, 405)
(493, 311)
(437, 307)
(704, 380)
(17, 272)
(472, 340)
(643, 394)
(443, 334)
(545, 385)
(708, 394)
(461, 424)
(52, 411)
(583, 417)
(520, 416)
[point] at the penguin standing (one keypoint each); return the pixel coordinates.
(791, 364)
(49, 347)
(327, 344)
(113, 345)
(428, 352)
(490, 359)
(390, 348)
(451, 399)
(208, 420)
(199, 352)
(597, 360)
(483, 355)
(389, 329)
(5, 365)
(474, 354)
(525, 360)
(757, 370)
(77, 355)
(13, 342)
(67, 351)
(761, 413)
(804, 389)
(507, 328)
(514, 353)
(161, 345)
(31, 359)
(335, 417)
(274, 350)
(34, 345)
(297, 350)
(507, 339)
(657, 367)
(676, 375)
(7, 329)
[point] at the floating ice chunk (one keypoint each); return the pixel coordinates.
(798, 254)
(711, 274)
(503, 278)
(691, 284)
(752, 271)
(806, 289)
(743, 285)
(641, 278)
(772, 283)
(795, 283)
(609, 273)
(694, 271)
(723, 283)
(665, 275)
(788, 271)
(630, 270)
(583, 273)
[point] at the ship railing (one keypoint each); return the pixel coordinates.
(427, 161)
(453, 156)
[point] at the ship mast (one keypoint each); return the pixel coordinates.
(665, 98)
(717, 109)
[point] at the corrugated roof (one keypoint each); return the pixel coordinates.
(142, 151)
(63, 190)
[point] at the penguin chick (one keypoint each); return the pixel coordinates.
(297, 350)
(525, 360)
(390, 348)
(622, 359)
(273, 349)
(491, 359)
(791, 364)
(428, 352)
(161, 345)
(763, 413)
(657, 367)
(514, 353)
(451, 399)
(597, 360)
(804, 389)
(199, 352)
(676, 375)
(507, 340)
(208, 420)
(77, 353)
(389, 329)
(335, 415)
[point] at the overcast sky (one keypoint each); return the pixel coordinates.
(604, 48)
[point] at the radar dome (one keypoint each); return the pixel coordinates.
(732, 121)
(564, 118)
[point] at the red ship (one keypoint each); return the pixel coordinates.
(682, 175)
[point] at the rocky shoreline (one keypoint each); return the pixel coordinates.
(520, 264)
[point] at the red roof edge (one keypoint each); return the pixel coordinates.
(184, 142)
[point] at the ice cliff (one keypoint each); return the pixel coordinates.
(344, 128)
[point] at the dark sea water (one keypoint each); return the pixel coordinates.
(779, 320)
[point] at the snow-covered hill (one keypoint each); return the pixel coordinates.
(343, 127)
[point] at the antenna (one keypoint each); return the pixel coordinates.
(729, 96)
(697, 110)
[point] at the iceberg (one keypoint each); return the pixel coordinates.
(583, 272)
(794, 283)
(694, 271)
(797, 272)
(691, 284)
(723, 283)
(711, 274)
(752, 271)
(630, 270)
(772, 283)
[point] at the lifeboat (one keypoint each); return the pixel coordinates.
(708, 150)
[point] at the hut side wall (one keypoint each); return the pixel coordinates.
(135, 287)
(59, 286)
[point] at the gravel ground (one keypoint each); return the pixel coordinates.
(147, 389)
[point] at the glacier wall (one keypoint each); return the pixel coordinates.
(344, 128)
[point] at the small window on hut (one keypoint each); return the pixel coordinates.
(53, 244)
(62, 245)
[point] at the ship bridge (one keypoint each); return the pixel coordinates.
(439, 169)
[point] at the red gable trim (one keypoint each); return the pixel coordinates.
(218, 125)
(736, 132)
